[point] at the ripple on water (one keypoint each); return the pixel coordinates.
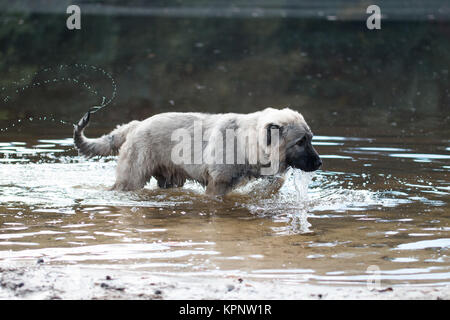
(63, 189)
(425, 244)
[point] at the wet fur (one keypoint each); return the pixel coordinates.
(144, 148)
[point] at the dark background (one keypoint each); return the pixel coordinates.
(217, 56)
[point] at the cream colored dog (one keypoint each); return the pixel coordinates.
(152, 148)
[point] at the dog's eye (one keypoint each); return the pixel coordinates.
(301, 141)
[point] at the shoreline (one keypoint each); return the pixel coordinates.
(43, 282)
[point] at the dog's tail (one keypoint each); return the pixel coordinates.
(106, 145)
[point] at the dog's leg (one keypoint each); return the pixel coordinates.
(163, 183)
(275, 184)
(218, 188)
(132, 171)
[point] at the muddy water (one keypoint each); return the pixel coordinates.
(378, 200)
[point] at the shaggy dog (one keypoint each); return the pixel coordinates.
(226, 149)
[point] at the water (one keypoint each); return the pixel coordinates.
(80, 69)
(382, 129)
(355, 213)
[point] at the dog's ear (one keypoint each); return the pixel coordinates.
(269, 132)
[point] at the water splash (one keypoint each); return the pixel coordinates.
(302, 181)
(19, 121)
(290, 205)
(25, 85)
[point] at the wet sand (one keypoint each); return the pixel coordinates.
(49, 282)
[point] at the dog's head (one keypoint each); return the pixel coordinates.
(294, 139)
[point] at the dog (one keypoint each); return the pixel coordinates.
(153, 148)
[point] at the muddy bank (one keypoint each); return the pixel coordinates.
(41, 281)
